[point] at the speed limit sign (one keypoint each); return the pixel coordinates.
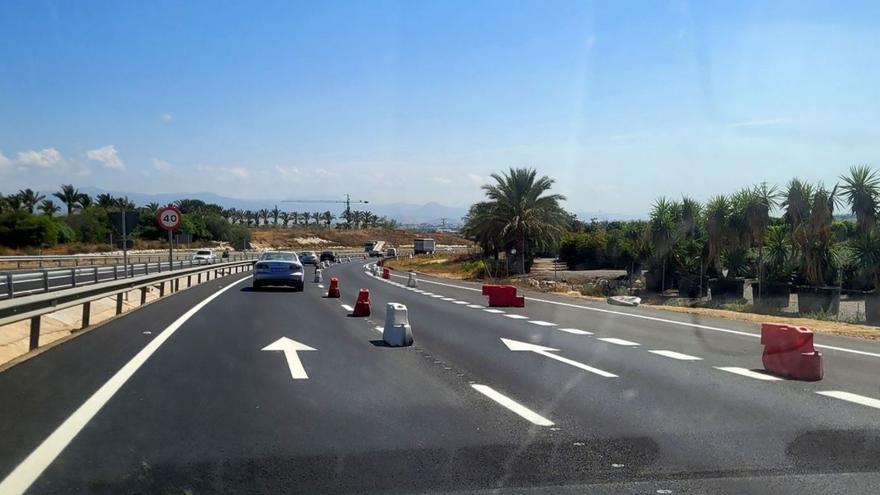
(168, 217)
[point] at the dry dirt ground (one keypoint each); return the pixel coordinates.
(316, 236)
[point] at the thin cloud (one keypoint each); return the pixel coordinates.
(760, 123)
(477, 180)
(106, 156)
(40, 158)
(161, 165)
(4, 161)
(441, 180)
(167, 118)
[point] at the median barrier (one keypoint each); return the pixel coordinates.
(502, 296)
(362, 305)
(412, 282)
(386, 273)
(333, 290)
(397, 331)
(789, 351)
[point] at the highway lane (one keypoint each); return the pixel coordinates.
(210, 411)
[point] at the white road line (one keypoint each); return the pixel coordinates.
(612, 340)
(850, 397)
(660, 320)
(436, 295)
(517, 317)
(575, 331)
(475, 306)
(347, 307)
(321, 285)
(459, 302)
(521, 410)
(447, 299)
(747, 372)
(542, 323)
(676, 355)
(379, 329)
(21, 478)
(493, 311)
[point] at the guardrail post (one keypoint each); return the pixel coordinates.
(189, 279)
(46, 280)
(95, 269)
(159, 265)
(87, 313)
(35, 333)
(176, 284)
(143, 296)
(199, 278)
(9, 288)
(76, 262)
(131, 267)
(115, 272)
(73, 277)
(161, 289)
(119, 303)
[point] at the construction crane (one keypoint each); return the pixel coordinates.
(348, 201)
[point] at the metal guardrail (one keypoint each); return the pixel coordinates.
(40, 261)
(35, 306)
(23, 283)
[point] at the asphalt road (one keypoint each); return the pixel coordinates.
(181, 397)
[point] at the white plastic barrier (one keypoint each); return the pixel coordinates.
(397, 332)
(318, 275)
(412, 282)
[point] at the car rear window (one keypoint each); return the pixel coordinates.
(279, 256)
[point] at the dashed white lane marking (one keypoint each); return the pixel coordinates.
(612, 340)
(436, 295)
(521, 410)
(347, 307)
(459, 302)
(447, 299)
(321, 285)
(475, 306)
(542, 323)
(379, 329)
(676, 355)
(747, 372)
(493, 311)
(21, 478)
(517, 317)
(850, 397)
(575, 331)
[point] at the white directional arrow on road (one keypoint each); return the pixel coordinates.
(290, 348)
(516, 345)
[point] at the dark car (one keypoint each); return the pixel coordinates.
(328, 256)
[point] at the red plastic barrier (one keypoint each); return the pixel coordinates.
(333, 290)
(789, 351)
(386, 273)
(362, 306)
(503, 296)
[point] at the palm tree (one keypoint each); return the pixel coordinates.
(664, 225)
(761, 200)
(317, 217)
(124, 203)
(84, 200)
(275, 213)
(357, 217)
(327, 217)
(528, 217)
(30, 198)
(305, 218)
(152, 206)
(68, 195)
(861, 190)
(691, 210)
(285, 217)
(717, 211)
(264, 215)
(796, 201)
(105, 200)
(49, 208)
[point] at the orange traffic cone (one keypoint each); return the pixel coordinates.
(362, 306)
(333, 290)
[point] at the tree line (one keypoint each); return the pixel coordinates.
(30, 218)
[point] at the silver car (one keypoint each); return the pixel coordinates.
(308, 258)
(278, 268)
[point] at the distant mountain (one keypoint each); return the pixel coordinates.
(405, 213)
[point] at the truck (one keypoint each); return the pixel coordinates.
(377, 249)
(423, 246)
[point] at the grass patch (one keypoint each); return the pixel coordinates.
(461, 266)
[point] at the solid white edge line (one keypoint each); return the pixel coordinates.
(616, 341)
(662, 320)
(347, 307)
(23, 476)
(517, 408)
(850, 397)
(675, 355)
(736, 370)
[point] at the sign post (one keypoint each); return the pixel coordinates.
(169, 218)
(123, 221)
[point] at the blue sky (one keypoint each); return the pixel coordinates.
(620, 102)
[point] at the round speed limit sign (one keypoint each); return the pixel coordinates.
(168, 217)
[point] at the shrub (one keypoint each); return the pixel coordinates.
(22, 229)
